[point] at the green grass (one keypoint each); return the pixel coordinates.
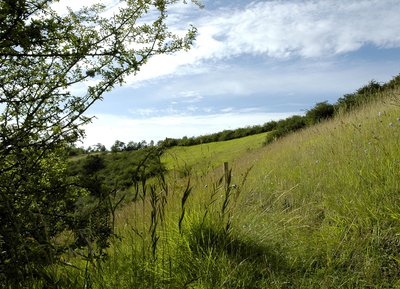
(319, 208)
(329, 197)
(205, 157)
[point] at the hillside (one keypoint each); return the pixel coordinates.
(205, 157)
(318, 208)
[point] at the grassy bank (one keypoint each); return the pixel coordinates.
(316, 209)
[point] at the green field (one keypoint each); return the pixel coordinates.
(319, 208)
(205, 157)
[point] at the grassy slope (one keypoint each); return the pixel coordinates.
(319, 209)
(329, 198)
(202, 158)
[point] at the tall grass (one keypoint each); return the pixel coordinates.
(329, 196)
(317, 209)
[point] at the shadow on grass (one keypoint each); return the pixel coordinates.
(219, 259)
(221, 242)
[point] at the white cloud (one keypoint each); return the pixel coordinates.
(106, 129)
(300, 77)
(282, 29)
(277, 29)
(189, 96)
(144, 112)
(307, 28)
(226, 109)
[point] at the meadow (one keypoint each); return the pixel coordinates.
(319, 208)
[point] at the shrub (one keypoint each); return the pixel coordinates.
(286, 126)
(321, 111)
(361, 96)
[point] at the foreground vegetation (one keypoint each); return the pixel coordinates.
(316, 209)
(54, 64)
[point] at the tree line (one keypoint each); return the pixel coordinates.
(320, 112)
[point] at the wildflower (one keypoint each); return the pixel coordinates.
(317, 161)
(379, 114)
(391, 124)
(234, 186)
(398, 119)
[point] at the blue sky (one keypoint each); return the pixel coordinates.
(253, 61)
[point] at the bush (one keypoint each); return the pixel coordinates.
(361, 96)
(321, 111)
(119, 171)
(285, 126)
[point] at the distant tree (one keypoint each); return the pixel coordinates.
(361, 96)
(143, 144)
(73, 150)
(43, 55)
(269, 126)
(131, 146)
(92, 164)
(292, 123)
(321, 111)
(169, 142)
(371, 88)
(118, 146)
(393, 83)
(100, 147)
(286, 126)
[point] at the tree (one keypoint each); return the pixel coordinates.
(321, 111)
(286, 126)
(118, 146)
(43, 57)
(362, 95)
(92, 164)
(100, 147)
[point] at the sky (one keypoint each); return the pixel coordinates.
(252, 62)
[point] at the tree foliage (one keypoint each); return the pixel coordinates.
(321, 111)
(324, 111)
(119, 171)
(118, 146)
(53, 67)
(219, 136)
(361, 96)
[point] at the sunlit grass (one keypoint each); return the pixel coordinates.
(319, 208)
(329, 196)
(200, 159)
